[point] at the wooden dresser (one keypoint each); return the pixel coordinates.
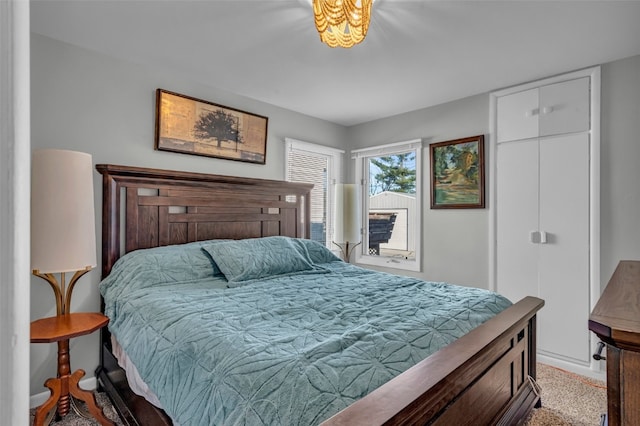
(616, 321)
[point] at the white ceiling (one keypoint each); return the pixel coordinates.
(418, 53)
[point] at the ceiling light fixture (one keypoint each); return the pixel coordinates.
(342, 23)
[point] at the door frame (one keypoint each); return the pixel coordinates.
(15, 163)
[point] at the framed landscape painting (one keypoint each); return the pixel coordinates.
(193, 126)
(457, 173)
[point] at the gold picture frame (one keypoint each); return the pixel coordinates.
(193, 126)
(457, 173)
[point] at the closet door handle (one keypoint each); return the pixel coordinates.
(547, 110)
(538, 237)
(543, 237)
(534, 237)
(531, 112)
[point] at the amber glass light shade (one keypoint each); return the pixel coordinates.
(342, 23)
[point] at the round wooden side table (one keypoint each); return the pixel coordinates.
(60, 329)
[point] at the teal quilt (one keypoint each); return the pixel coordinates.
(289, 347)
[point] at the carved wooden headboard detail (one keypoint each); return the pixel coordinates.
(163, 207)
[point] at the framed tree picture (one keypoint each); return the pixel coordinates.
(193, 126)
(457, 173)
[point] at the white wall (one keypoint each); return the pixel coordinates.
(88, 102)
(455, 245)
(620, 165)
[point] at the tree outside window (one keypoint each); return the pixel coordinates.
(393, 173)
(392, 189)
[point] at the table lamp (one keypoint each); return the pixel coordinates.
(63, 234)
(63, 240)
(347, 230)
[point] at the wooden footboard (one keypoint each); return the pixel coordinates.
(480, 379)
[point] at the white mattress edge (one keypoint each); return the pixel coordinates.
(137, 385)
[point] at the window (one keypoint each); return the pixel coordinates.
(391, 205)
(322, 166)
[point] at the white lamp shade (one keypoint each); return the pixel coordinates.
(63, 234)
(347, 213)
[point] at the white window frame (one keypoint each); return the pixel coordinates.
(361, 157)
(334, 174)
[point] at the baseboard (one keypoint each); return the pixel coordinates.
(37, 400)
(573, 368)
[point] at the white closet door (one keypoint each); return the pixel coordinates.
(518, 116)
(564, 259)
(517, 217)
(564, 107)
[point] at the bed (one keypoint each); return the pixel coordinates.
(482, 377)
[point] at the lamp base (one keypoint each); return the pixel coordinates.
(346, 249)
(60, 289)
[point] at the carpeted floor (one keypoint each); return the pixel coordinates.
(73, 419)
(567, 400)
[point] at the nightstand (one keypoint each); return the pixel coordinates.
(60, 329)
(616, 321)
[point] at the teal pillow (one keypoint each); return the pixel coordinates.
(251, 259)
(318, 253)
(162, 265)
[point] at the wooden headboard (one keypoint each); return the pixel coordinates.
(164, 207)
